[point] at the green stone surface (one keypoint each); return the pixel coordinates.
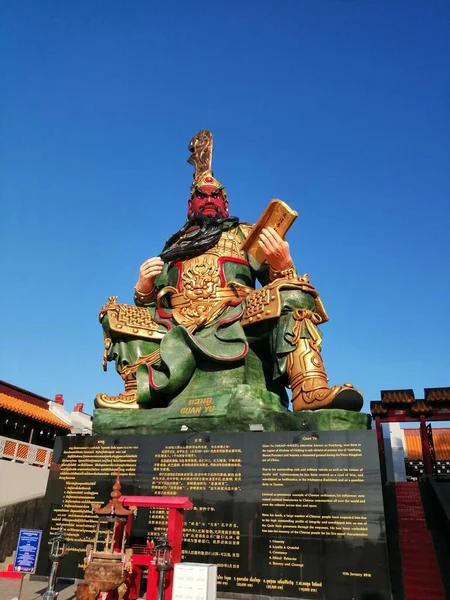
(206, 380)
(225, 410)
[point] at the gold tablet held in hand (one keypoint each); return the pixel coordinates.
(277, 215)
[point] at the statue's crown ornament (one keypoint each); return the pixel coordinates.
(201, 149)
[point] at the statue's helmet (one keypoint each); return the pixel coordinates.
(208, 195)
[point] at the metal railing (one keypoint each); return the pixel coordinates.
(30, 454)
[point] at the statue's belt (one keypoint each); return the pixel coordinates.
(196, 312)
(261, 304)
(233, 291)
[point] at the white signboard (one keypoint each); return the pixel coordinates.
(194, 581)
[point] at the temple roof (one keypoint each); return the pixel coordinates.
(32, 410)
(397, 396)
(441, 441)
(397, 406)
(441, 394)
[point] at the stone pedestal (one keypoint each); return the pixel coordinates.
(226, 410)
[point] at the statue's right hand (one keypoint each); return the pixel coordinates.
(148, 272)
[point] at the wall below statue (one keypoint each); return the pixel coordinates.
(13, 518)
(21, 482)
(282, 514)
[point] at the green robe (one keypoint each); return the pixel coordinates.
(221, 345)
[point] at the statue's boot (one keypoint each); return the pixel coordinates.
(309, 383)
(125, 400)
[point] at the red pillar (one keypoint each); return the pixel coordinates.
(152, 581)
(174, 534)
(176, 506)
(426, 454)
(381, 448)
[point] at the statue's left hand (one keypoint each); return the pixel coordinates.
(275, 249)
(148, 272)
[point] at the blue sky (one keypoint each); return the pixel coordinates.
(340, 108)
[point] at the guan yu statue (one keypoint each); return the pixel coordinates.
(198, 313)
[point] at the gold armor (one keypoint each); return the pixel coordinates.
(200, 295)
(306, 371)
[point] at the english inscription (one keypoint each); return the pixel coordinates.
(281, 514)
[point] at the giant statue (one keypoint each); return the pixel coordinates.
(199, 314)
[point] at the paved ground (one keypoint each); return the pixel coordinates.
(32, 590)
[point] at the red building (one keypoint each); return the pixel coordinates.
(29, 424)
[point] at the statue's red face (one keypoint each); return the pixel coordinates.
(208, 201)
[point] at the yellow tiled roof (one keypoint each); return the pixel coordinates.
(28, 409)
(441, 440)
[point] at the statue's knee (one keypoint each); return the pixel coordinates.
(294, 299)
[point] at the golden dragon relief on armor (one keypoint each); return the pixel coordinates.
(198, 289)
(200, 279)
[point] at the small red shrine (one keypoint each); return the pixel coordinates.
(176, 506)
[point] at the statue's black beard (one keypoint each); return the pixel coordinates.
(199, 241)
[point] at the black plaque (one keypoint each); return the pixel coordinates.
(291, 514)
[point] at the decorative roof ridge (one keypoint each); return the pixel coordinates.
(404, 396)
(60, 412)
(435, 430)
(437, 394)
(32, 411)
(21, 394)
